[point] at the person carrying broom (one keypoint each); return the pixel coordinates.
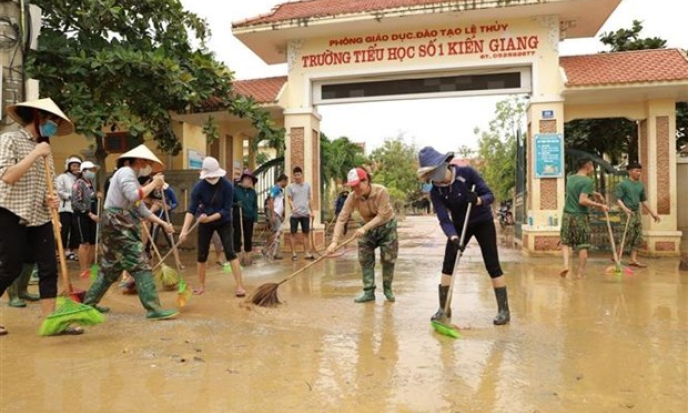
(211, 199)
(123, 248)
(380, 231)
(26, 230)
(245, 216)
(451, 193)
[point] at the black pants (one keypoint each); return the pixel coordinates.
(20, 244)
(69, 230)
(205, 234)
(486, 235)
(247, 235)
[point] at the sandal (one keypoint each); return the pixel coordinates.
(71, 331)
(636, 264)
(240, 293)
(3, 331)
(294, 258)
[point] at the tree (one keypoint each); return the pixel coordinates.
(395, 165)
(629, 39)
(465, 152)
(128, 65)
(497, 147)
(337, 157)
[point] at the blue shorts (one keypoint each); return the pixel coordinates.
(305, 224)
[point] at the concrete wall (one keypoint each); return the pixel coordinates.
(682, 194)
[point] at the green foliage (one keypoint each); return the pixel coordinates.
(624, 40)
(129, 64)
(497, 147)
(337, 157)
(261, 158)
(395, 165)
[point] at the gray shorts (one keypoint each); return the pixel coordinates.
(277, 224)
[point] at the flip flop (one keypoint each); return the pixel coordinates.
(240, 294)
(563, 273)
(637, 265)
(71, 331)
(3, 331)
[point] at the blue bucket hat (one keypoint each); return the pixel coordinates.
(431, 160)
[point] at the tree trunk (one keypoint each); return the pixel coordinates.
(101, 155)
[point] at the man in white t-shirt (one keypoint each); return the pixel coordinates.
(299, 196)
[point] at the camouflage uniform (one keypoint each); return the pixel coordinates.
(384, 237)
(635, 230)
(575, 231)
(124, 250)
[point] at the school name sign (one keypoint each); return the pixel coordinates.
(489, 41)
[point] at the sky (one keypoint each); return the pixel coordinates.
(446, 123)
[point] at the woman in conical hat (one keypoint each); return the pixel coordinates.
(26, 230)
(123, 249)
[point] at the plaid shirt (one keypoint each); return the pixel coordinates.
(26, 197)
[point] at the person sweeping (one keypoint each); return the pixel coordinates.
(451, 194)
(575, 225)
(85, 208)
(211, 200)
(380, 231)
(123, 248)
(26, 230)
(630, 195)
(245, 215)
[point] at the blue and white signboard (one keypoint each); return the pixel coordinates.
(195, 159)
(549, 155)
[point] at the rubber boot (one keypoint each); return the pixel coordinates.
(34, 276)
(13, 293)
(96, 293)
(22, 284)
(503, 315)
(389, 294)
(368, 295)
(150, 300)
(443, 292)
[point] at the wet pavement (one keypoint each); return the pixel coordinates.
(600, 344)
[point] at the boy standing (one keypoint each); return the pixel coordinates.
(299, 196)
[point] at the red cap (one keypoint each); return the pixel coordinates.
(355, 176)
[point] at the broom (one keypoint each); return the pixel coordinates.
(443, 326)
(183, 292)
(95, 268)
(266, 294)
(68, 312)
(626, 270)
(616, 269)
(164, 257)
(166, 275)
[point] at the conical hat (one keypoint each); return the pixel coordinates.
(142, 152)
(47, 105)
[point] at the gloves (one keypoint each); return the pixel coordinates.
(457, 242)
(472, 197)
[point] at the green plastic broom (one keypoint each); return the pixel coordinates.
(68, 312)
(442, 325)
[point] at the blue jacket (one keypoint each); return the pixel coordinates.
(221, 194)
(450, 202)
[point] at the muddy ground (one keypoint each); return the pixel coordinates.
(601, 344)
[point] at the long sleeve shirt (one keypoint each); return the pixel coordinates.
(375, 209)
(247, 199)
(63, 186)
(210, 199)
(126, 193)
(450, 202)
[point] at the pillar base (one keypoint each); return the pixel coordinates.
(541, 241)
(661, 244)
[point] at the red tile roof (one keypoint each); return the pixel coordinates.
(322, 8)
(264, 90)
(659, 65)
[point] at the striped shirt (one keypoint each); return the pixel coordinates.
(26, 197)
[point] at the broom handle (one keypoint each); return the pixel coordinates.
(195, 224)
(171, 236)
(56, 229)
(315, 262)
(623, 239)
(459, 254)
(150, 238)
(611, 238)
(95, 257)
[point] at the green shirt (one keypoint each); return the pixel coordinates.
(575, 186)
(632, 193)
(248, 201)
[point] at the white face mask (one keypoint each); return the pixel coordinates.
(145, 171)
(212, 181)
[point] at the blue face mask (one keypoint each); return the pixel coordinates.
(48, 129)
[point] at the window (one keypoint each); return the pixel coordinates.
(120, 142)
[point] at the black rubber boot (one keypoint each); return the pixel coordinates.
(503, 315)
(443, 292)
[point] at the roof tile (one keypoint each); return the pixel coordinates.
(643, 66)
(264, 90)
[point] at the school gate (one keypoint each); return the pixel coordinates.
(359, 51)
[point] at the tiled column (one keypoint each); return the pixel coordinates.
(545, 199)
(656, 141)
